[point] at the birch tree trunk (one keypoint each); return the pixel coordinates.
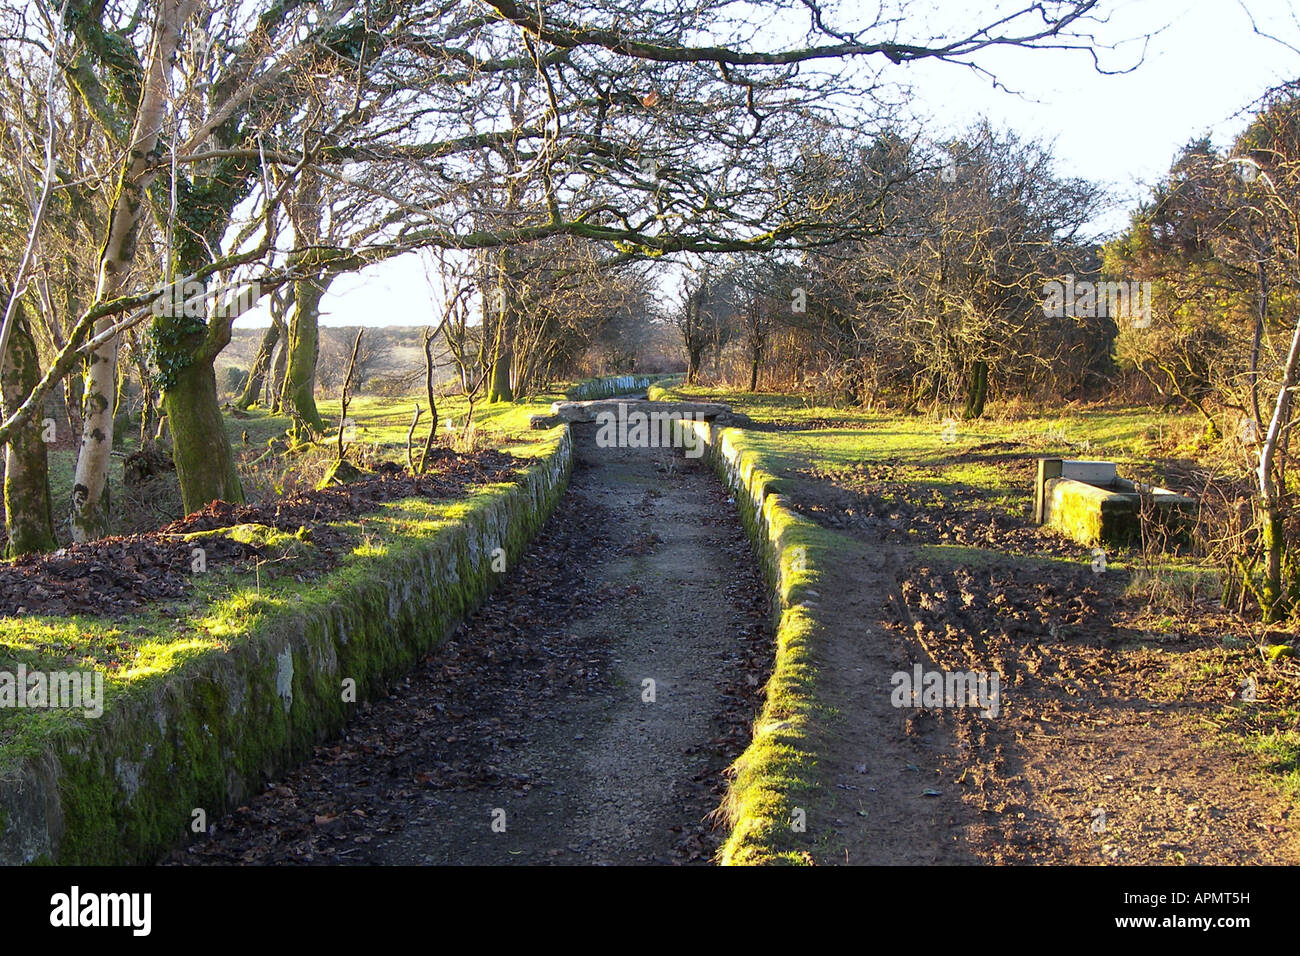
(1270, 497)
(90, 493)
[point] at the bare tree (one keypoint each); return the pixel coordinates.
(468, 132)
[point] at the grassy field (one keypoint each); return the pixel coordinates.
(836, 436)
(381, 426)
(949, 464)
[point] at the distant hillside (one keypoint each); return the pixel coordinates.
(389, 355)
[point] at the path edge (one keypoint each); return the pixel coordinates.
(773, 780)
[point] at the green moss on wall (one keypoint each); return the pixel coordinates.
(776, 772)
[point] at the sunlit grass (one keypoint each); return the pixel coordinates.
(223, 608)
(1279, 751)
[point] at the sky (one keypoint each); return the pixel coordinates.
(1203, 67)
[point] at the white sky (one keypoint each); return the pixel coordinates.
(1201, 70)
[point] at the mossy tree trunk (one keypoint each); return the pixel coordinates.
(499, 388)
(1273, 539)
(977, 390)
(205, 463)
(1271, 488)
(29, 517)
(186, 348)
(298, 396)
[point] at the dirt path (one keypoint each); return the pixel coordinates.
(888, 798)
(537, 715)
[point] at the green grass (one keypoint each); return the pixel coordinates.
(382, 425)
(219, 611)
(1279, 752)
(1126, 434)
(985, 464)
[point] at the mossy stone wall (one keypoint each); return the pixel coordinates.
(774, 775)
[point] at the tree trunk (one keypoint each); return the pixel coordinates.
(429, 339)
(1274, 540)
(90, 494)
(753, 372)
(298, 397)
(500, 390)
(1270, 490)
(257, 374)
(693, 357)
(977, 391)
(278, 374)
(148, 395)
(90, 485)
(74, 388)
(205, 464)
(29, 520)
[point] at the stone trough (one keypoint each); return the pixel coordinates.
(1088, 501)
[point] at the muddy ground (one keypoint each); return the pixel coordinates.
(538, 715)
(1108, 745)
